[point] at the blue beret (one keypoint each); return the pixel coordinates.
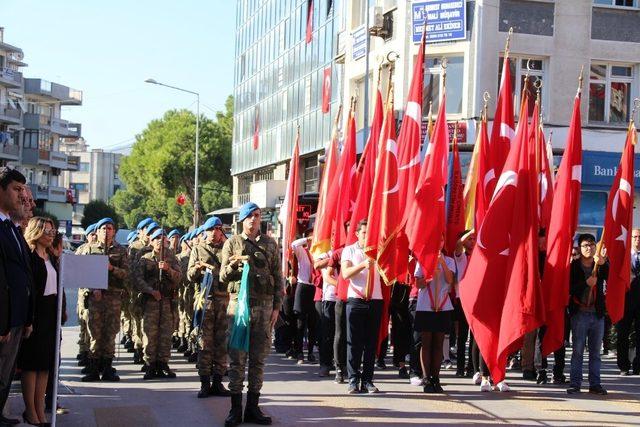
(90, 229)
(152, 226)
(159, 232)
(172, 233)
(246, 210)
(104, 221)
(199, 230)
(131, 236)
(212, 222)
(142, 224)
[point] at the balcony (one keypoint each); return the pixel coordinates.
(53, 91)
(57, 159)
(57, 194)
(74, 98)
(10, 78)
(8, 150)
(73, 163)
(12, 116)
(40, 191)
(74, 130)
(36, 121)
(59, 126)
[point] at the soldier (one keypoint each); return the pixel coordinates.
(156, 276)
(126, 319)
(174, 240)
(191, 352)
(104, 305)
(83, 340)
(213, 332)
(183, 261)
(265, 298)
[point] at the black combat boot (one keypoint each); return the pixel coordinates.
(252, 413)
(193, 357)
(205, 387)
(163, 370)
(123, 340)
(217, 388)
(235, 414)
(189, 350)
(182, 347)
(92, 371)
(83, 358)
(109, 372)
(150, 372)
(129, 345)
(101, 363)
(137, 357)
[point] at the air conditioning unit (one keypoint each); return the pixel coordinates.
(376, 20)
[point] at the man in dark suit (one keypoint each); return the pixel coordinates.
(631, 313)
(14, 260)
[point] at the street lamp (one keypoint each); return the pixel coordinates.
(196, 210)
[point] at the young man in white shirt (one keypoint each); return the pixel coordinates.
(364, 311)
(304, 306)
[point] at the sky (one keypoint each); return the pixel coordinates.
(108, 48)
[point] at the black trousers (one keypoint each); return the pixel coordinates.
(327, 332)
(415, 343)
(461, 340)
(363, 323)
(340, 335)
(286, 333)
(478, 361)
(307, 317)
(401, 322)
(558, 355)
(630, 321)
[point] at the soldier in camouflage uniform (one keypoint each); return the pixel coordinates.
(190, 291)
(174, 245)
(136, 250)
(265, 299)
(126, 317)
(183, 261)
(83, 339)
(212, 357)
(157, 275)
(104, 305)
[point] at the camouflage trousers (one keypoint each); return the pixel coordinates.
(212, 357)
(259, 346)
(83, 338)
(157, 324)
(104, 323)
(186, 321)
(126, 317)
(175, 314)
(136, 323)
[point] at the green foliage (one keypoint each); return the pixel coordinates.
(95, 210)
(42, 212)
(162, 163)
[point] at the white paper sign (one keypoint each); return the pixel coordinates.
(84, 271)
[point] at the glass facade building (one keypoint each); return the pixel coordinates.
(279, 79)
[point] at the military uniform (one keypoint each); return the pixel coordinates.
(183, 330)
(212, 357)
(83, 338)
(104, 314)
(136, 250)
(157, 318)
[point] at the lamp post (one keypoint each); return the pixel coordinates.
(196, 199)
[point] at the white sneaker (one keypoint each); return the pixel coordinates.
(485, 386)
(503, 386)
(417, 381)
(447, 364)
(477, 378)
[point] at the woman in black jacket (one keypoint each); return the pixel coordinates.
(36, 357)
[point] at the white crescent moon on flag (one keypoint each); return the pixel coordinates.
(392, 148)
(544, 186)
(576, 173)
(624, 186)
(507, 132)
(506, 178)
(414, 110)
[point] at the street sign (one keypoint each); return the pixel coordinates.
(446, 20)
(359, 42)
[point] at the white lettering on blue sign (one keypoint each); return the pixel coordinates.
(446, 20)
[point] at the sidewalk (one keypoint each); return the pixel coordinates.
(294, 395)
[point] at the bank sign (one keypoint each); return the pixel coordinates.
(446, 20)
(599, 168)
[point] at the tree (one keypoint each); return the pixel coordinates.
(95, 210)
(161, 166)
(46, 214)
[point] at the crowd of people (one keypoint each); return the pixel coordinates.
(188, 291)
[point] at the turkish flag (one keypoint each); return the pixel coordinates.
(256, 129)
(500, 293)
(455, 202)
(485, 182)
(289, 210)
(327, 199)
(344, 185)
(309, 34)
(563, 223)
(545, 187)
(326, 90)
(366, 171)
(382, 220)
(616, 236)
(427, 213)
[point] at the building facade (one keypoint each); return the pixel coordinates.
(97, 176)
(551, 41)
(32, 130)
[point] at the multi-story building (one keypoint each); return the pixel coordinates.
(278, 87)
(551, 41)
(31, 129)
(96, 178)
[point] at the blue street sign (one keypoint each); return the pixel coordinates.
(446, 20)
(359, 40)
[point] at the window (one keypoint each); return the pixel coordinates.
(433, 84)
(592, 207)
(84, 167)
(609, 93)
(621, 3)
(311, 174)
(80, 187)
(30, 139)
(520, 66)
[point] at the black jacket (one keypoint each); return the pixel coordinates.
(5, 306)
(578, 285)
(17, 270)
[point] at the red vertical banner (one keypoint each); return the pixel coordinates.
(309, 35)
(289, 210)
(326, 90)
(256, 129)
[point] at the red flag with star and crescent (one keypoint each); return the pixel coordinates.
(562, 227)
(326, 90)
(616, 236)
